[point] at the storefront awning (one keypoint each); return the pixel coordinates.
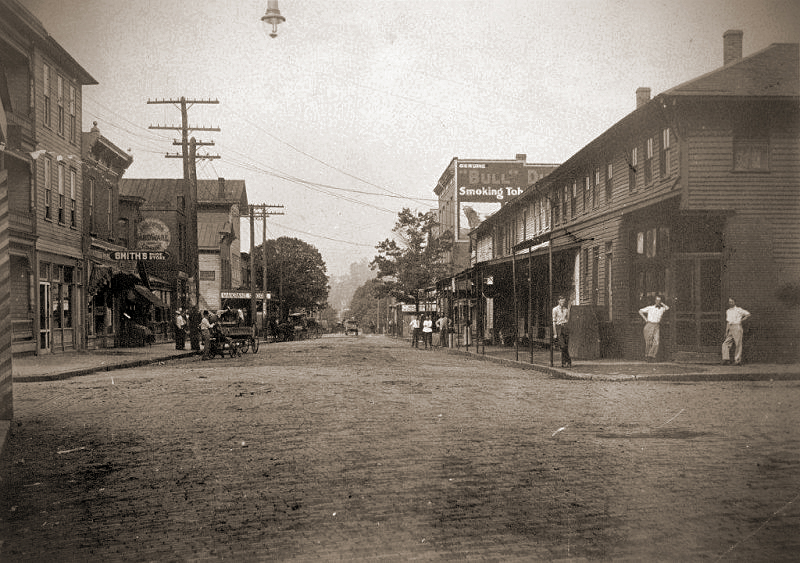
(141, 292)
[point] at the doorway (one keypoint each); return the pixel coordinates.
(45, 317)
(698, 312)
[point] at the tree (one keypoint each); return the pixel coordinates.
(296, 275)
(413, 261)
(364, 304)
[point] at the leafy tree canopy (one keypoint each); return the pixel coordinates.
(413, 260)
(296, 274)
(364, 304)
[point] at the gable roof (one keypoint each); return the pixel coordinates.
(152, 189)
(773, 71)
(233, 191)
(166, 189)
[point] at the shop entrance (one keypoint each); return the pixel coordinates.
(45, 317)
(698, 315)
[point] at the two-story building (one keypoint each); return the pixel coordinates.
(219, 205)
(41, 94)
(695, 196)
(109, 228)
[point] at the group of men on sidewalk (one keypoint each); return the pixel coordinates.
(652, 315)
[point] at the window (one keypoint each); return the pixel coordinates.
(122, 231)
(595, 186)
(609, 182)
(650, 264)
(648, 163)
(564, 207)
(91, 204)
(574, 199)
(751, 143)
(48, 188)
(554, 201)
(46, 90)
(73, 131)
(634, 162)
(60, 104)
(109, 211)
(73, 219)
(586, 188)
(61, 193)
(663, 161)
(595, 288)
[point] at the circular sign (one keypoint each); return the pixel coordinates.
(153, 235)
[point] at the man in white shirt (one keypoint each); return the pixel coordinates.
(561, 330)
(414, 324)
(180, 330)
(734, 317)
(652, 331)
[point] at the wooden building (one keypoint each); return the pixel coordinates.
(41, 92)
(695, 196)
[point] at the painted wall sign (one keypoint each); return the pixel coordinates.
(153, 234)
(490, 181)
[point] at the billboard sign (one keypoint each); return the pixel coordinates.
(490, 181)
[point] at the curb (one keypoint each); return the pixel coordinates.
(576, 375)
(97, 369)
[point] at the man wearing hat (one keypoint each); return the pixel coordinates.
(180, 329)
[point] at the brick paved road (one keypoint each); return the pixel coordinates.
(344, 448)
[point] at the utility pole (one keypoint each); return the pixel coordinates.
(189, 156)
(261, 211)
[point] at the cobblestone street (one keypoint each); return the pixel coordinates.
(364, 449)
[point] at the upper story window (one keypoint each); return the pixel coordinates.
(574, 198)
(596, 186)
(587, 186)
(60, 105)
(109, 210)
(648, 163)
(632, 167)
(565, 207)
(554, 197)
(47, 94)
(751, 143)
(73, 213)
(609, 181)
(61, 193)
(73, 127)
(48, 188)
(664, 157)
(92, 188)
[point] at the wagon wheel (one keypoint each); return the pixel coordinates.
(244, 346)
(254, 344)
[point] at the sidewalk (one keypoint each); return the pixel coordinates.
(623, 370)
(51, 367)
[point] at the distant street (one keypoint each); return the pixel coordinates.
(361, 448)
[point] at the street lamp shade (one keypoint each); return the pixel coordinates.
(273, 17)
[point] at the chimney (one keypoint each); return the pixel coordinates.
(522, 156)
(732, 46)
(222, 188)
(642, 96)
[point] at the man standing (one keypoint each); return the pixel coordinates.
(414, 324)
(652, 317)
(427, 331)
(443, 324)
(180, 330)
(561, 330)
(205, 332)
(734, 317)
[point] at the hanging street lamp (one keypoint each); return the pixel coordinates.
(272, 18)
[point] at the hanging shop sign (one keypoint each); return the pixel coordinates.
(138, 255)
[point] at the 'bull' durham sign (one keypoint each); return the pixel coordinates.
(490, 181)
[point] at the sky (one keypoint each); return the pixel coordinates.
(357, 107)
